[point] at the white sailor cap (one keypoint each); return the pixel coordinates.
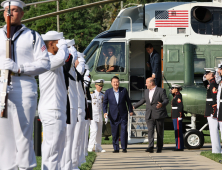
(220, 65)
(209, 70)
(52, 35)
(176, 86)
(70, 42)
(18, 3)
(99, 82)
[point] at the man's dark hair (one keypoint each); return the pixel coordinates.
(114, 77)
(149, 45)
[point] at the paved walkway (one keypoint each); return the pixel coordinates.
(137, 158)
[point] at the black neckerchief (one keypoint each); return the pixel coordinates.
(14, 29)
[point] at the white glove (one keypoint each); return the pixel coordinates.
(106, 120)
(73, 51)
(9, 64)
(180, 118)
(61, 43)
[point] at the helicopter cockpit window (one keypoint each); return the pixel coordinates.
(91, 49)
(112, 57)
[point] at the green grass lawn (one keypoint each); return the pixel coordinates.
(90, 159)
(217, 157)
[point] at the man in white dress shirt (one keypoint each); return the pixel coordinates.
(96, 125)
(28, 60)
(156, 101)
(53, 101)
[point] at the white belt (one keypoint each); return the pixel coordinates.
(220, 100)
(89, 101)
(209, 100)
(174, 107)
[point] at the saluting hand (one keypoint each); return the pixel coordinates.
(159, 105)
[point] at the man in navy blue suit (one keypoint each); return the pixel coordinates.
(117, 97)
(155, 63)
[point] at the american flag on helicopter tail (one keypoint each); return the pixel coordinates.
(171, 18)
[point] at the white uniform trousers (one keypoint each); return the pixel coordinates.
(214, 135)
(54, 135)
(66, 163)
(79, 130)
(82, 144)
(16, 142)
(220, 127)
(95, 135)
(86, 137)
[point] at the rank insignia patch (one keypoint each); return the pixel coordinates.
(179, 100)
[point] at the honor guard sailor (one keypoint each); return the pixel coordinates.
(96, 124)
(53, 101)
(219, 96)
(66, 163)
(78, 134)
(29, 58)
(88, 110)
(177, 115)
(211, 107)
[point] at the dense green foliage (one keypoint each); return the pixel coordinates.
(82, 25)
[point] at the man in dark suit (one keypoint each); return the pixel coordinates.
(117, 97)
(156, 101)
(155, 63)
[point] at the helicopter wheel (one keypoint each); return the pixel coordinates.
(193, 139)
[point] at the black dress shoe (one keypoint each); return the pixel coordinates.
(178, 150)
(159, 151)
(124, 151)
(150, 150)
(116, 151)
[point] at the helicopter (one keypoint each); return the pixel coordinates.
(187, 35)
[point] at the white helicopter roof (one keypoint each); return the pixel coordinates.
(164, 21)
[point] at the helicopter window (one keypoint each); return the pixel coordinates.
(112, 57)
(90, 50)
(206, 20)
(91, 61)
(202, 14)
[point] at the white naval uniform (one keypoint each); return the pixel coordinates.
(66, 163)
(213, 123)
(84, 148)
(97, 122)
(77, 142)
(218, 103)
(16, 131)
(52, 111)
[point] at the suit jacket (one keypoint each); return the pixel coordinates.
(155, 64)
(114, 108)
(158, 96)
